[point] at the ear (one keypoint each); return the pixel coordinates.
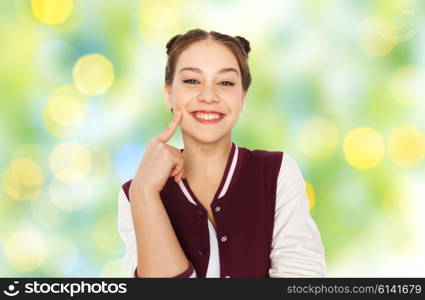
(167, 96)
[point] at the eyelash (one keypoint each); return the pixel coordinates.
(230, 83)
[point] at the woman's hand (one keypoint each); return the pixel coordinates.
(160, 161)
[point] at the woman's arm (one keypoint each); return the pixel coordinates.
(152, 248)
(297, 249)
(158, 251)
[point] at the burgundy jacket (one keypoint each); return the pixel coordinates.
(243, 208)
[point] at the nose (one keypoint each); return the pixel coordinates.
(208, 94)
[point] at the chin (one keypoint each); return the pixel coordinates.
(206, 137)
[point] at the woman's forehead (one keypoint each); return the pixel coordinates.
(207, 56)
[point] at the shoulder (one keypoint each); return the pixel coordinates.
(261, 165)
(261, 156)
(290, 182)
(290, 169)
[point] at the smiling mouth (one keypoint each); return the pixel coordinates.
(207, 118)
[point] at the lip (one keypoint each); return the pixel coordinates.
(213, 121)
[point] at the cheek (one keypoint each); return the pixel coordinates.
(235, 105)
(180, 101)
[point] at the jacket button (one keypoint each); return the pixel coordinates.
(217, 209)
(200, 214)
(200, 253)
(224, 238)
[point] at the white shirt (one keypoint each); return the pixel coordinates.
(297, 249)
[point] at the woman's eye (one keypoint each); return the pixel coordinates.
(229, 83)
(191, 81)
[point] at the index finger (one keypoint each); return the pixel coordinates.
(168, 132)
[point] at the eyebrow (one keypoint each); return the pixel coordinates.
(197, 70)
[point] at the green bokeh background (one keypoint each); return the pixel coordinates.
(341, 61)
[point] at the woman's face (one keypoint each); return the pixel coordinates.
(207, 89)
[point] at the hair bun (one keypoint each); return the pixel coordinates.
(245, 44)
(171, 42)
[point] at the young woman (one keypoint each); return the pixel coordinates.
(214, 209)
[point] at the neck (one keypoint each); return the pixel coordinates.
(205, 159)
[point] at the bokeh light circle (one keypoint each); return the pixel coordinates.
(70, 162)
(26, 172)
(11, 188)
(155, 32)
(378, 36)
(52, 12)
(25, 250)
(65, 111)
(406, 146)
(22, 179)
(93, 74)
(363, 148)
(317, 138)
(407, 85)
(67, 197)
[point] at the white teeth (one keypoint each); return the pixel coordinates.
(207, 116)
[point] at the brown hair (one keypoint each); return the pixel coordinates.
(238, 45)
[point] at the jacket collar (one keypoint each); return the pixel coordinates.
(225, 180)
